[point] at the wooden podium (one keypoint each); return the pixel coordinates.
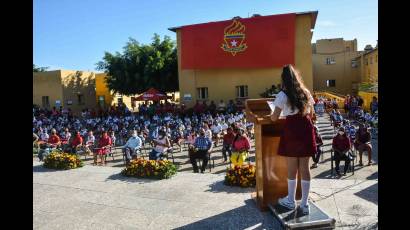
(271, 169)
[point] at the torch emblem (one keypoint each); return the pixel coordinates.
(234, 38)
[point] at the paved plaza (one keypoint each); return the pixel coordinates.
(95, 197)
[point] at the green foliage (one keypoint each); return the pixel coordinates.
(160, 169)
(60, 160)
(39, 69)
(275, 89)
(140, 67)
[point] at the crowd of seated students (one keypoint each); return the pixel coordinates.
(352, 129)
(164, 129)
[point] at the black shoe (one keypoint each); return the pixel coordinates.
(202, 171)
(338, 173)
(196, 171)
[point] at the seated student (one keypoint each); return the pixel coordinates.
(52, 143)
(161, 144)
(77, 142)
(319, 142)
(374, 105)
(221, 106)
(202, 146)
(131, 148)
(240, 147)
(338, 118)
(341, 146)
(89, 144)
(104, 143)
(113, 138)
(35, 140)
(227, 144)
(65, 137)
(54, 140)
(43, 136)
(178, 137)
(363, 143)
(351, 132)
(216, 130)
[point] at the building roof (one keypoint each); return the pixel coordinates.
(364, 53)
(312, 13)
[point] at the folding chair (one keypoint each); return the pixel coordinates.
(111, 150)
(199, 161)
(352, 157)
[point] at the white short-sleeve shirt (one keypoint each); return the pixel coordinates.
(281, 101)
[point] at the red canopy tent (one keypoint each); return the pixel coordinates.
(151, 95)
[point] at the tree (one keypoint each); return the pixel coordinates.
(140, 67)
(270, 92)
(39, 69)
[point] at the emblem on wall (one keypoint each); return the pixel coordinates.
(234, 37)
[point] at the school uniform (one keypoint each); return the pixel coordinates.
(298, 135)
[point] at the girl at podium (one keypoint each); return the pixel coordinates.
(297, 142)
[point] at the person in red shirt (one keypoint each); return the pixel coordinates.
(103, 147)
(77, 142)
(54, 139)
(341, 146)
(240, 147)
(227, 143)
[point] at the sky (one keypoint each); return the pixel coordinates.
(74, 34)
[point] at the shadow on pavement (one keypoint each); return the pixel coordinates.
(219, 186)
(40, 168)
(374, 176)
(244, 217)
(120, 177)
(370, 193)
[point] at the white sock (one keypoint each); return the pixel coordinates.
(292, 190)
(305, 192)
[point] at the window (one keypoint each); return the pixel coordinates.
(331, 83)
(202, 93)
(80, 99)
(45, 101)
(330, 60)
(367, 61)
(371, 60)
(347, 49)
(354, 63)
(242, 91)
(101, 101)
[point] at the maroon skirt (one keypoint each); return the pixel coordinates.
(298, 137)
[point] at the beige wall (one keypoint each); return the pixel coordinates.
(47, 84)
(65, 85)
(371, 63)
(222, 83)
(342, 71)
(75, 83)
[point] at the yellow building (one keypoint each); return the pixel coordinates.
(368, 65)
(103, 94)
(67, 88)
(334, 66)
(78, 90)
(226, 84)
